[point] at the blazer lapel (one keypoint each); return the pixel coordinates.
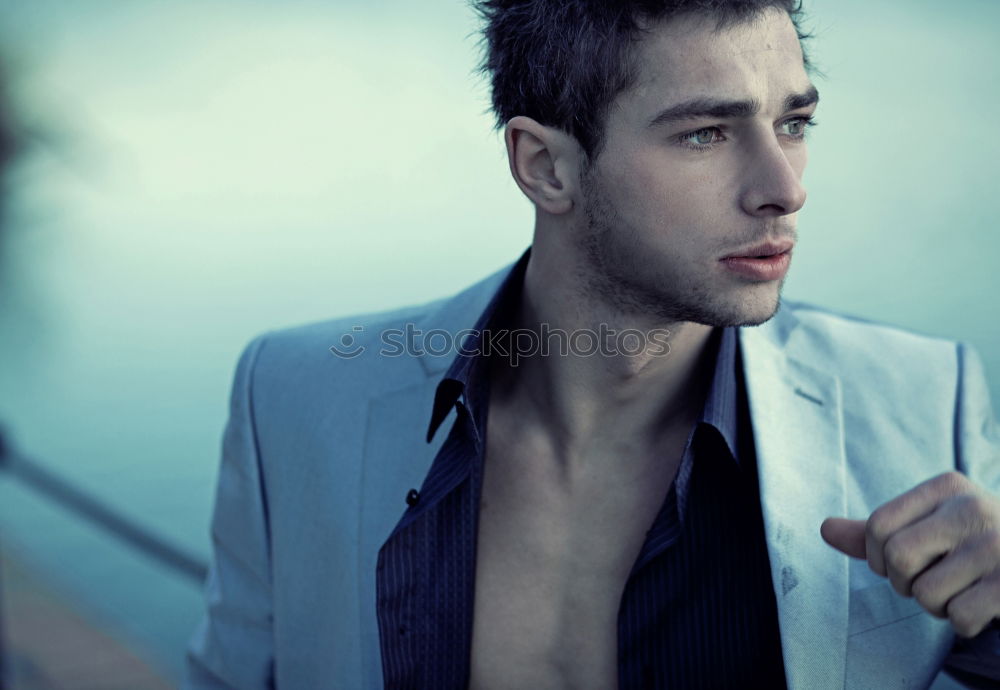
(397, 455)
(797, 418)
(396, 459)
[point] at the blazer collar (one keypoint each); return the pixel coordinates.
(496, 315)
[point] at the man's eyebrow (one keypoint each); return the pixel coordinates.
(802, 100)
(714, 108)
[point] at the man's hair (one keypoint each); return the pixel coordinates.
(563, 62)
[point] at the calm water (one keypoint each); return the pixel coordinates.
(208, 170)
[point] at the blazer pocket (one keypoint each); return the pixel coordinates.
(879, 605)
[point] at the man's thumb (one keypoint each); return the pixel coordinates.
(845, 535)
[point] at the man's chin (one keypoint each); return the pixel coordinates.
(757, 321)
(747, 312)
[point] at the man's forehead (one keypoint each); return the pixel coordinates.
(689, 57)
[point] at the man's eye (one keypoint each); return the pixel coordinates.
(702, 138)
(796, 127)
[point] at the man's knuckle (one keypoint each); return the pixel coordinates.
(924, 590)
(951, 481)
(977, 512)
(977, 505)
(961, 625)
(991, 583)
(968, 629)
(963, 619)
(878, 527)
(990, 543)
(899, 554)
(934, 605)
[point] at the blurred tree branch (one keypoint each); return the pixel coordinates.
(9, 142)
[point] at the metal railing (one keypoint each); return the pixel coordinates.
(92, 509)
(96, 512)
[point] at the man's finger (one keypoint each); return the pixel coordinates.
(956, 572)
(847, 536)
(906, 509)
(916, 547)
(976, 607)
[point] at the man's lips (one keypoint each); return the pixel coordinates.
(766, 268)
(764, 249)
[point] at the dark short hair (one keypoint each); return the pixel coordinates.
(563, 62)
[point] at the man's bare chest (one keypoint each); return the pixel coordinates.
(551, 566)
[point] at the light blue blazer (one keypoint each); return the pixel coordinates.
(320, 451)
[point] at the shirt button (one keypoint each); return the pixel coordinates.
(413, 497)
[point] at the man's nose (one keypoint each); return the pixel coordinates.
(773, 186)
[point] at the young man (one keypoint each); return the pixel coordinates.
(625, 476)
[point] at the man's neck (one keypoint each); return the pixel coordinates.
(590, 408)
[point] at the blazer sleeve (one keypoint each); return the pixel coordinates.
(976, 661)
(233, 645)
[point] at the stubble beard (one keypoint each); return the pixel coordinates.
(613, 272)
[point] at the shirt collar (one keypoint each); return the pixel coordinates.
(455, 382)
(719, 410)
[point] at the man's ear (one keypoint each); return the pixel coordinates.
(545, 163)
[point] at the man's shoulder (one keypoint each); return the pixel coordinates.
(334, 353)
(849, 328)
(844, 342)
(345, 333)
(451, 312)
(375, 346)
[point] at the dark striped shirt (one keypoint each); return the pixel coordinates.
(698, 610)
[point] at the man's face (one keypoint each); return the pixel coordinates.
(672, 193)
